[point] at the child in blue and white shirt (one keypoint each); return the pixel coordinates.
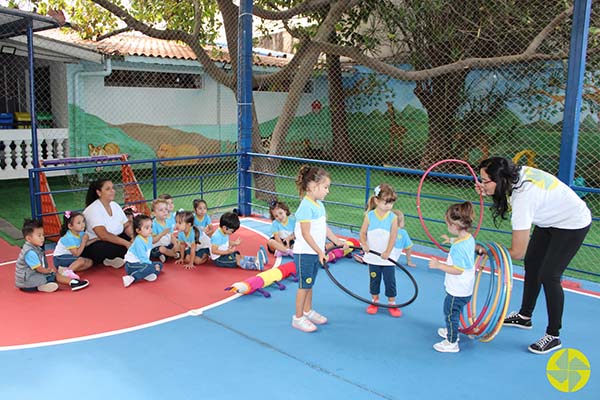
(282, 238)
(223, 251)
(403, 242)
(137, 259)
(163, 227)
(460, 273)
(193, 251)
(67, 254)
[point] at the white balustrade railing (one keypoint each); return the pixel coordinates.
(16, 152)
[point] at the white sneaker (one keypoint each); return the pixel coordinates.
(443, 333)
(117, 262)
(315, 317)
(151, 277)
(48, 287)
(446, 347)
(303, 324)
(128, 280)
(162, 258)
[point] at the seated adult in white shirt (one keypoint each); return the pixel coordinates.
(107, 223)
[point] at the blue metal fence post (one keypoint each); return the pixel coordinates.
(244, 99)
(574, 90)
(34, 139)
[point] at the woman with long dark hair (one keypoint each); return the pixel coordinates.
(561, 221)
(107, 223)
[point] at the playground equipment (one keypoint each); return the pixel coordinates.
(529, 156)
(50, 215)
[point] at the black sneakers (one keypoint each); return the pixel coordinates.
(77, 284)
(515, 319)
(545, 345)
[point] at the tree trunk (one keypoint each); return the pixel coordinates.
(440, 96)
(341, 150)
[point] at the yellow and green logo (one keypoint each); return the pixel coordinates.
(568, 370)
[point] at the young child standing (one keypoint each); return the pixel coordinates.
(223, 250)
(137, 259)
(67, 254)
(311, 232)
(32, 272)
(162, 232)
(460, 273)
(192, 250)
(403, 241)
(378, 232)
(282, 229)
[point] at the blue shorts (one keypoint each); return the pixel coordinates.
(64, 260)
(199, 252)
(307, 266)
(227, 260)
(155, 252)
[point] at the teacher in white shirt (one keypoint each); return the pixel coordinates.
(107, 223)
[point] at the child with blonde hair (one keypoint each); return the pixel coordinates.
(460, 273)
(282, 230)
(311, 232)
(378, 232)
(403, 242)
(163, 242)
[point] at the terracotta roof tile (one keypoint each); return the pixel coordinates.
(138, 44)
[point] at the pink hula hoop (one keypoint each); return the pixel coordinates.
(438, 245)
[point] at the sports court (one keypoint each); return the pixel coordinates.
(184, 337)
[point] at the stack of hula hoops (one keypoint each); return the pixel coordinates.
(486, 323)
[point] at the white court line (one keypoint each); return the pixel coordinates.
(191, 313)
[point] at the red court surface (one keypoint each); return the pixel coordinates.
(106, 306)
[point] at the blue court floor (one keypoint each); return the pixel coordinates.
(247, 349)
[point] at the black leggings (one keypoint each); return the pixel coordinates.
(548, 254)
(99, 250)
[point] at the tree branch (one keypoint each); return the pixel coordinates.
(113, 33)
(537, 41)
(310, 5)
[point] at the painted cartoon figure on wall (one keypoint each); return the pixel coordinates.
(167, 150)
(107, 149)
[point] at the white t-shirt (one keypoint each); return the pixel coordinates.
(542, 200)
(95, 215)
(313, 212)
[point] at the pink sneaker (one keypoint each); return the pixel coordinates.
(303, 324)
(68, 272)
(279, 253)
(372, 309)
(289, 253)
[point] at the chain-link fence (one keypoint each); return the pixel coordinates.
(398, 84)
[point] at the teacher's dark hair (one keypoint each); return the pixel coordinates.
(505, 174)
(92, 193)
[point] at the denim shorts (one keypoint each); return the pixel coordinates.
(227, 260)
(307, 266)
(155, 252)
(199, 252)
(64, 260)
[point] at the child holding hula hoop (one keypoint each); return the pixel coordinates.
(311, 232)
(460, 273)
(378, 232)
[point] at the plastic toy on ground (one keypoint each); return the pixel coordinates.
(259, 281)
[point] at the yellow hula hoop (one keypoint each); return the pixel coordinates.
(508, 287)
